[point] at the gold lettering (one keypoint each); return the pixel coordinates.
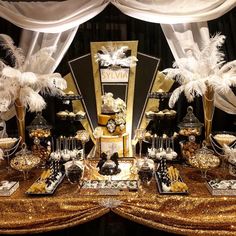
(109, 75)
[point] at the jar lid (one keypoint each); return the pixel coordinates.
(204, 149)
(190, 120)
(24, 151)
(38, 123)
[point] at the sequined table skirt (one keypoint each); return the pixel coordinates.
(198, 213)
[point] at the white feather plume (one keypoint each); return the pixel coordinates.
(15, 53)
(31, 99)
(40, 61)
(111, 56)
(200, 68)
(28, 77)
(175, 96)
(51, 83)
(10, 72)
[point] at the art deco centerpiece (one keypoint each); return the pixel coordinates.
(203, 73)
(20, 84)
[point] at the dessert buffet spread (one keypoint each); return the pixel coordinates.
(107, 170)
(121, 159)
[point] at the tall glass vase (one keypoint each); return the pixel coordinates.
(20, 115)
(208, 108)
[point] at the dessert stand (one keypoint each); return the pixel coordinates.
(161, 125)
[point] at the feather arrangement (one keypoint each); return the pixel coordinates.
(16, 54)
(27, 78)
(201, 69)
(115, 56)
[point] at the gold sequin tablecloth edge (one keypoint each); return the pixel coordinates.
(198, 213)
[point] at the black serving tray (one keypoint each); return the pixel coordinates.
(46, 193)
(159, 186)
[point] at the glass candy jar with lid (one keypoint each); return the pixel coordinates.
(190, 128)
(40, 132)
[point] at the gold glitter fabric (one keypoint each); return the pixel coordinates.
(198, 213)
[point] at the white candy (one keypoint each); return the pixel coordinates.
(158, 155)
(169, 156)
(163, 153)
(65, 156)
(174, 154)
(165, 188)
(73, 153)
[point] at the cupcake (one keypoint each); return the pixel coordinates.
(62, 114)
(71, 115)
(80, 115)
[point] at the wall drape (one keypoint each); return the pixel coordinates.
(40, 16)
(32, 41)
(59, 29)
(175, 11)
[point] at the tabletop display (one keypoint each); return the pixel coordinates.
(136, 172)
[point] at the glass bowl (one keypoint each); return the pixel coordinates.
(7, 143)
(204, 160)
(24, 161)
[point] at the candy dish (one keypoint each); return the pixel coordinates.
(224, 138)
(7, 143)
(24, 161)
(204, 160)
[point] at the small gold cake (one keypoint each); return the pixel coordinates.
(112, 121)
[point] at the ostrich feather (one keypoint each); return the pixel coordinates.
(5, 101)
(16, 54)
(203, 67)
(194, 89)
(111, 56)
(28, 79)
(228, 67)
(39, 61)
(31, 99)
(175, 96)
(10, 72)
(51, 83)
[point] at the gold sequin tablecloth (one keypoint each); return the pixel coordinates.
(199, 213)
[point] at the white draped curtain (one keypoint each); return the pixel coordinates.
(184, 23)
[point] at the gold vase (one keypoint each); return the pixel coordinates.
(208, 108)
(20, 119)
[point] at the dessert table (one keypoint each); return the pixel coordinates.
(198, 213)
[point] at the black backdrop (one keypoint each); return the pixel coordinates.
(112, 25)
